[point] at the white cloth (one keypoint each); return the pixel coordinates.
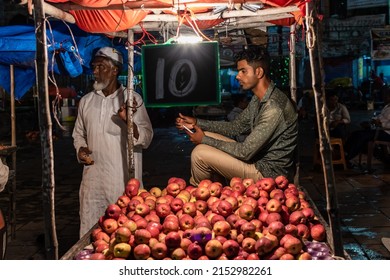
(99, 128)
(4, 172)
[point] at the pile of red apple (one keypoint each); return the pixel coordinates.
(268, 219)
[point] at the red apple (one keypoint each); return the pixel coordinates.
(246, 211)
(170, 225)
(155, 191)
(201, 193)
(281, 197)
(182, 183)
(292, 244)
(239, 187)
(123, 201)
(173, 189)
(293, 203)
(142, 236)
(232, 219)
(152, 217)
(276, 228)
(248, 229)
(131, 189)
(142, 209)
(267, 184)
(297, 217)
(163, 210)
(318, 232)
(287, 256)
(173, 239)
(309, 213)
(248, 244)
(185, 242)
(252, 191)
(110, 225)
(189, 208)
(272, 217)
(122, 234)
(224, 208)
(221, 228)
(248, 182)
(215, 189)
(159, 250)
(303, 231)
(263, 246)
(141, 223)
(150, 202)
(251, 201)
(213, 249)
(201, 206)
(233, 201)
(194, 251)
(154, 229)
(204, 183)
(186, 222)
(291, 229)
(130, 224)
(101, 235)
(176, 204)
(113, 211)
(231, 248)
(273, 205)
(142, 252)
(262, 202)
(282, 182)
(235, 180)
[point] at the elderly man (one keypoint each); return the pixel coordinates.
(100, 138)
(270, 118)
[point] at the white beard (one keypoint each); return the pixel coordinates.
(100, 86)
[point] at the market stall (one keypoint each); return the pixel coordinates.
(141, 16)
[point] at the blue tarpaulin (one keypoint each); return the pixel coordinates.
(73, 49)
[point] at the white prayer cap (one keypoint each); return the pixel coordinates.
(111, 53)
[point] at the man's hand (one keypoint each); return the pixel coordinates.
(83, 155)
(122, 112)
(181, 120)
(197, 136)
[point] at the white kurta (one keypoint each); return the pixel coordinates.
(99, 128)
(4, 172)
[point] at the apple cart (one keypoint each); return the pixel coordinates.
(210, 222)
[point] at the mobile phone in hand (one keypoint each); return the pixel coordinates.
(186, 128)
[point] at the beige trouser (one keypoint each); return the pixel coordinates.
(210, 163)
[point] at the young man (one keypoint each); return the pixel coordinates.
(270, 118)
(100, 138)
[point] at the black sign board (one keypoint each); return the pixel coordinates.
(181, 74)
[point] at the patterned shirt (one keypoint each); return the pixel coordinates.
(272, 141)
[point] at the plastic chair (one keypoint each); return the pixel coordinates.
(334, 142)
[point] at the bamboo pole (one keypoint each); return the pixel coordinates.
(13, 143)
(130, 96)
(313, 44)
(45, 128)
